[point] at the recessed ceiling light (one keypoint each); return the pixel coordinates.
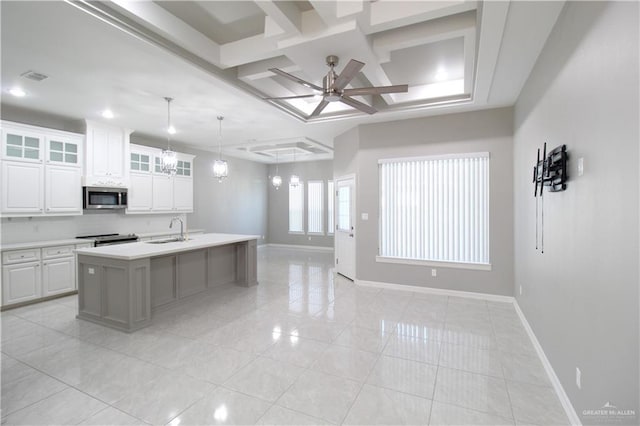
(18, 92)
(171, 130)
(107, 113)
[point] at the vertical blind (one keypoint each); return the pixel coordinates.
(435, 208)
(296, 208)
(315, 201)
(331, 196)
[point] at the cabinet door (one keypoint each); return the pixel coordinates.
(98, 145)
(63, 190)
(64, 151)
(116, 153)
(140, 197)
(21, 145)
(21, 282)
(162, 193)
(183, 194)
(58, 276)
(22, 187)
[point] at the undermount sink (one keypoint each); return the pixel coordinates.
(170, 240)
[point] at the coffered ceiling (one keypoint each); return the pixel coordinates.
(214, 58)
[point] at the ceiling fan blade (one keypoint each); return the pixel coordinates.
(296, 79)
(400, 88)
(347, 74)
(319, 108)
(358, 105)
(290, 97)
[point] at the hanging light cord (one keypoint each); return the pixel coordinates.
(168, 123)
(220, 118)
(276, 163)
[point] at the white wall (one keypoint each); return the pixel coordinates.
(581, 295)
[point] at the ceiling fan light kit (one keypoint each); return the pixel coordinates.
(333, 89)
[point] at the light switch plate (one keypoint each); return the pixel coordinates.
(580, 166)
(365, 216)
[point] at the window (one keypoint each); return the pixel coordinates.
(435, 209)
(315, 207)
(344, 208)
(139, 162)
(331, 224)
(296, 208)
(183, 168)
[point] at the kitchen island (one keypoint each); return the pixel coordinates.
(120, 286)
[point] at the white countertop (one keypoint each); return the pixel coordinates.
(69, 241)
(38, 244)
(144, 249)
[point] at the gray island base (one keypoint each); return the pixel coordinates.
(120, 286)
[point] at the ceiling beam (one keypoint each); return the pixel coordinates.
(171, 27)
(285, 14)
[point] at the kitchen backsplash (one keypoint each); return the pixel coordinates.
(18, 230)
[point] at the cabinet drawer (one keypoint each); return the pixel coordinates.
(84, 245)
(20, 256)
(57, 251)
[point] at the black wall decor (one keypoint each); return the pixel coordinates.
(549, 171)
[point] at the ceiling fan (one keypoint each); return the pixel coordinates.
(333, 89)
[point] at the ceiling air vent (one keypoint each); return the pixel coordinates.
(35, 76)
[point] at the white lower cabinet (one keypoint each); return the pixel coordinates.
(58, 276)
(39, 272)
(21, 282)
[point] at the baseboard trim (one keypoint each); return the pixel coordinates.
(438, 291)
(297, 247)
(557, 386)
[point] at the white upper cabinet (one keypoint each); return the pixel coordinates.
(58, 196)
(107, 158)
(152, 191)
(41, 171)
(22, 188)
(22, 143)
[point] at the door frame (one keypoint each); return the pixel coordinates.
(335, 221)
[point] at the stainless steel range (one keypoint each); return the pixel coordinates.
(111, 239)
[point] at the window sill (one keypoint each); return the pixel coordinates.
(316, 234)
(296, 232)
(454, 265)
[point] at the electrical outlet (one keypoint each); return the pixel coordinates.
(434, 273)
(520, 290)
(309, 238)
(578, 378)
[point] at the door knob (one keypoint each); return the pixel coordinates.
(351, 235)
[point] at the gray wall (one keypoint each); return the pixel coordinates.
(279, 202)
(238, 205)
(489, 130)
(581, 295)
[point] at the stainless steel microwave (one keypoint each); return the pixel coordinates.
(103, 198)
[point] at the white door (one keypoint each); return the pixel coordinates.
(22, 187)
(140, 196)
(58, 276)
(21, 282)
(345, 240)
(63, 190)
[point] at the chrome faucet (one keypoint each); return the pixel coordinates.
(181, 227)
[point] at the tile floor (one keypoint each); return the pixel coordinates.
(303, 347)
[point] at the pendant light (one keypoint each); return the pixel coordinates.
(220, 166)
(169, 160)
(294, 180)
(277, 179)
